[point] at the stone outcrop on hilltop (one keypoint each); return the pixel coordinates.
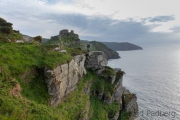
(68, 39)
(63, 79)
(30, 39)
(7, 34)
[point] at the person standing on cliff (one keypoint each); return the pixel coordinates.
(88, 46)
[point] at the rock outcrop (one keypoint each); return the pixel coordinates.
(66, 38)
(130, 103)
(95, 60)
(63, 79)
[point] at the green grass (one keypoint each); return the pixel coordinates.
(128, 98)
(15, 59)
(32, 104)
(13, 36)
(107, 72)
(124, 115)
(31, 108)
(34, 87)
(102, 85)
(24, 64)
(100, 110)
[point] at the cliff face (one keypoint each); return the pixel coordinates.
(63, 79)
(127, 101)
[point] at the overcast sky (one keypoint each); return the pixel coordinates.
(136, 21)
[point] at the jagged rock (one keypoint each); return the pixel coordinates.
(87, 88)
(108, 100)
(130, 102)
(57, 48)
(96, 60)
(85, 112)
(118, 93)
(19, 41)
(16, 90)
(112, 79)
(100, 95)
(27, 38)
(115, 117)
(63, 51)
(63, 79)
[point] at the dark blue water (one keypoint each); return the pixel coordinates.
(153, 74)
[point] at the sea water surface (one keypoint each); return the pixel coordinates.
(153, 74)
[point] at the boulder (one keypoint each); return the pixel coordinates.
(95, 60)
(63, 51)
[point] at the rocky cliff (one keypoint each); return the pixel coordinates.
(127, 101)
(63, 79)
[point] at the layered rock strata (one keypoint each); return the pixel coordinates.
(97, 61)
(63, 79)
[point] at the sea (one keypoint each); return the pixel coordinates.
(153, 74)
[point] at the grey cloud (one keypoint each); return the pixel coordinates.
(160, 18)
(105, 29)
(176, 29)
(99, 28)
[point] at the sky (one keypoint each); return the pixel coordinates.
(141, 22)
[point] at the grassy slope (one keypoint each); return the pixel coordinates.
(19, 59)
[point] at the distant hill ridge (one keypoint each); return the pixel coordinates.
(123, 46)
(99, 46)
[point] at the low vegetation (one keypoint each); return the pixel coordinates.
(124, 115)
(7, 33)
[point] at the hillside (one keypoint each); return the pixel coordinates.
(7, 34)
(98, 46)
(123, 46)
(95, 46)
(46, 82)
(24, 90)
